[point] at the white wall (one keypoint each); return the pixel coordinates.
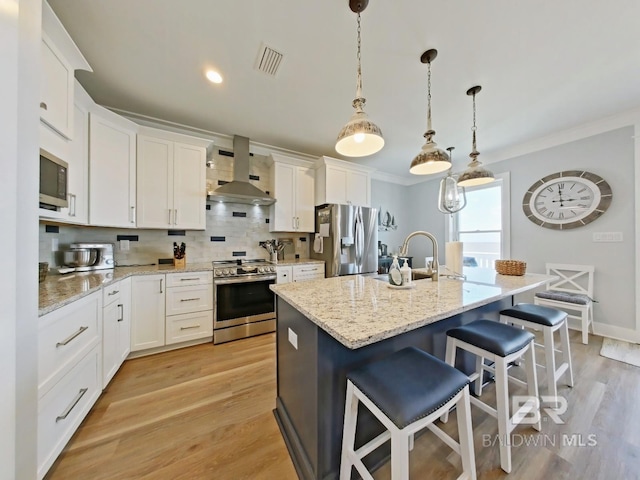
(19, 97)
(392, 198)
(610, 155)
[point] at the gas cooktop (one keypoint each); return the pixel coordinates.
(242, 267)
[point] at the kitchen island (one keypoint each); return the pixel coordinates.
(328, 327)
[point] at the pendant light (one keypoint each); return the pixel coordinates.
(360, 136)
(431, 159)
(475, 174)
(451, 197)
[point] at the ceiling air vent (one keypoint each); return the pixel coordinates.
(269, 60)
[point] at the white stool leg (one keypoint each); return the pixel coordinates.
(585, 316)
(480, 370)
(449, 358)
(465, 435)
(399, 455)
(566, 352)
(550, 356)
(532, 379)
(502, 410)
(349, 433)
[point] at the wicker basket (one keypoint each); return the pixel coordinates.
(511, 267)
(43, 268)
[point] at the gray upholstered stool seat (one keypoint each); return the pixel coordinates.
(549, 317)
(547, 320)
(407, 392)
(500, 344)
(494, 337)
(409, 384)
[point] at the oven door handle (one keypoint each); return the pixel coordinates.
(247, 279)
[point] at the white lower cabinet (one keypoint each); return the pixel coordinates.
(116, 328)
(299, 273)
(147, 311)
(69, 373)
(171, 309)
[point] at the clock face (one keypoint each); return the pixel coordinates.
(567, 199)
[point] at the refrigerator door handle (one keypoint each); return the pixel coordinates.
(359, 238)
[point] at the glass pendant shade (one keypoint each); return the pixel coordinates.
(452, 198)
(431, 159)
(360, 136)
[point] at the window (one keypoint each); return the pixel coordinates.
(483, 225)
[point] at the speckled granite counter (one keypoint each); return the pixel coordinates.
(59, 290)
(299, 261)
(360, 310)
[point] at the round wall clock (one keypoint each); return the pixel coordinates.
(568, 199)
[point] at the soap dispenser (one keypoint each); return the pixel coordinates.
(395, 276)
(405, 271)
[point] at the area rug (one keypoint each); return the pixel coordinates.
(621, 351)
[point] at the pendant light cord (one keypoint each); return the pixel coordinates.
(359, 81)
(429, 96)
(474, 152)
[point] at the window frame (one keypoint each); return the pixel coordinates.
(504, 181)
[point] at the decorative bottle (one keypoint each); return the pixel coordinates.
(405, 271)
(395, 276)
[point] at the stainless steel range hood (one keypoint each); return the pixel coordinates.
(240, 190)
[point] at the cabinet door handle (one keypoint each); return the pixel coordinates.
(293, 221)
(43, 105)
(169, 216)
(72, 205)
(71, 337)
(72, 405)
(189, 299)
(161, 285)
(189, 279)
(189, 327)
(133, 214)
(120, 306)
(175, 216)
(113, 293)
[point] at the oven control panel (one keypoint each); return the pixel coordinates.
(244, 270)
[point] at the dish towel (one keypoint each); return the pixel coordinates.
(318, 244)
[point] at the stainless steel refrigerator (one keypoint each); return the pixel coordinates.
(346, 239)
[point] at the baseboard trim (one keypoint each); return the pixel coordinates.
(617, 333)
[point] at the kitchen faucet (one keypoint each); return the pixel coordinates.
(434, 266)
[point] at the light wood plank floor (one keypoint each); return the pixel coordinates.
(205, 412)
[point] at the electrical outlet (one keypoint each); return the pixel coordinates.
(124, 245)
(293, 338)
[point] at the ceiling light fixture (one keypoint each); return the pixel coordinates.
(360, 136)
(475, 174)
(431, 159)
(213, 76)
(452, 197)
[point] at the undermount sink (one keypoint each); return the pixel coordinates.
(415, 275)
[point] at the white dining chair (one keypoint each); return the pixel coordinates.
(572, 292)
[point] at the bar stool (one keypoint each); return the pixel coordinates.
(548, 320)
(501, 344)
(406, 391)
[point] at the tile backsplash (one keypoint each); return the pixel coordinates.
(231, 229)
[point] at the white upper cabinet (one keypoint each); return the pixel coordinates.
(60, 58)
(293, 183)
(172, 180)
(342, 182)
(112, 172)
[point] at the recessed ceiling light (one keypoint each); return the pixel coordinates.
(214, 76)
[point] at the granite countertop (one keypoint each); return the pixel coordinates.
(59, 290)
(298, 261)
(359, 310)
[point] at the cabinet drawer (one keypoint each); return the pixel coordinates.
(111, 293)
(308, 272)
(66, 335)
(189, 326)
(61, 410)
(305, 278)
(189, 299)
(191, 278)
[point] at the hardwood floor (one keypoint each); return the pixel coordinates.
(205, 412)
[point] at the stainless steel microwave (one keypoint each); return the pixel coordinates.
(53, 181)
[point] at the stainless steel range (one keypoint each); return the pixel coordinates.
(243, 303)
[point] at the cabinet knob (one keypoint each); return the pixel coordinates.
(43, 105)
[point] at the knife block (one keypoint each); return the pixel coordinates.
(180, 262)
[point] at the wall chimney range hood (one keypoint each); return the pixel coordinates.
(240, 190)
